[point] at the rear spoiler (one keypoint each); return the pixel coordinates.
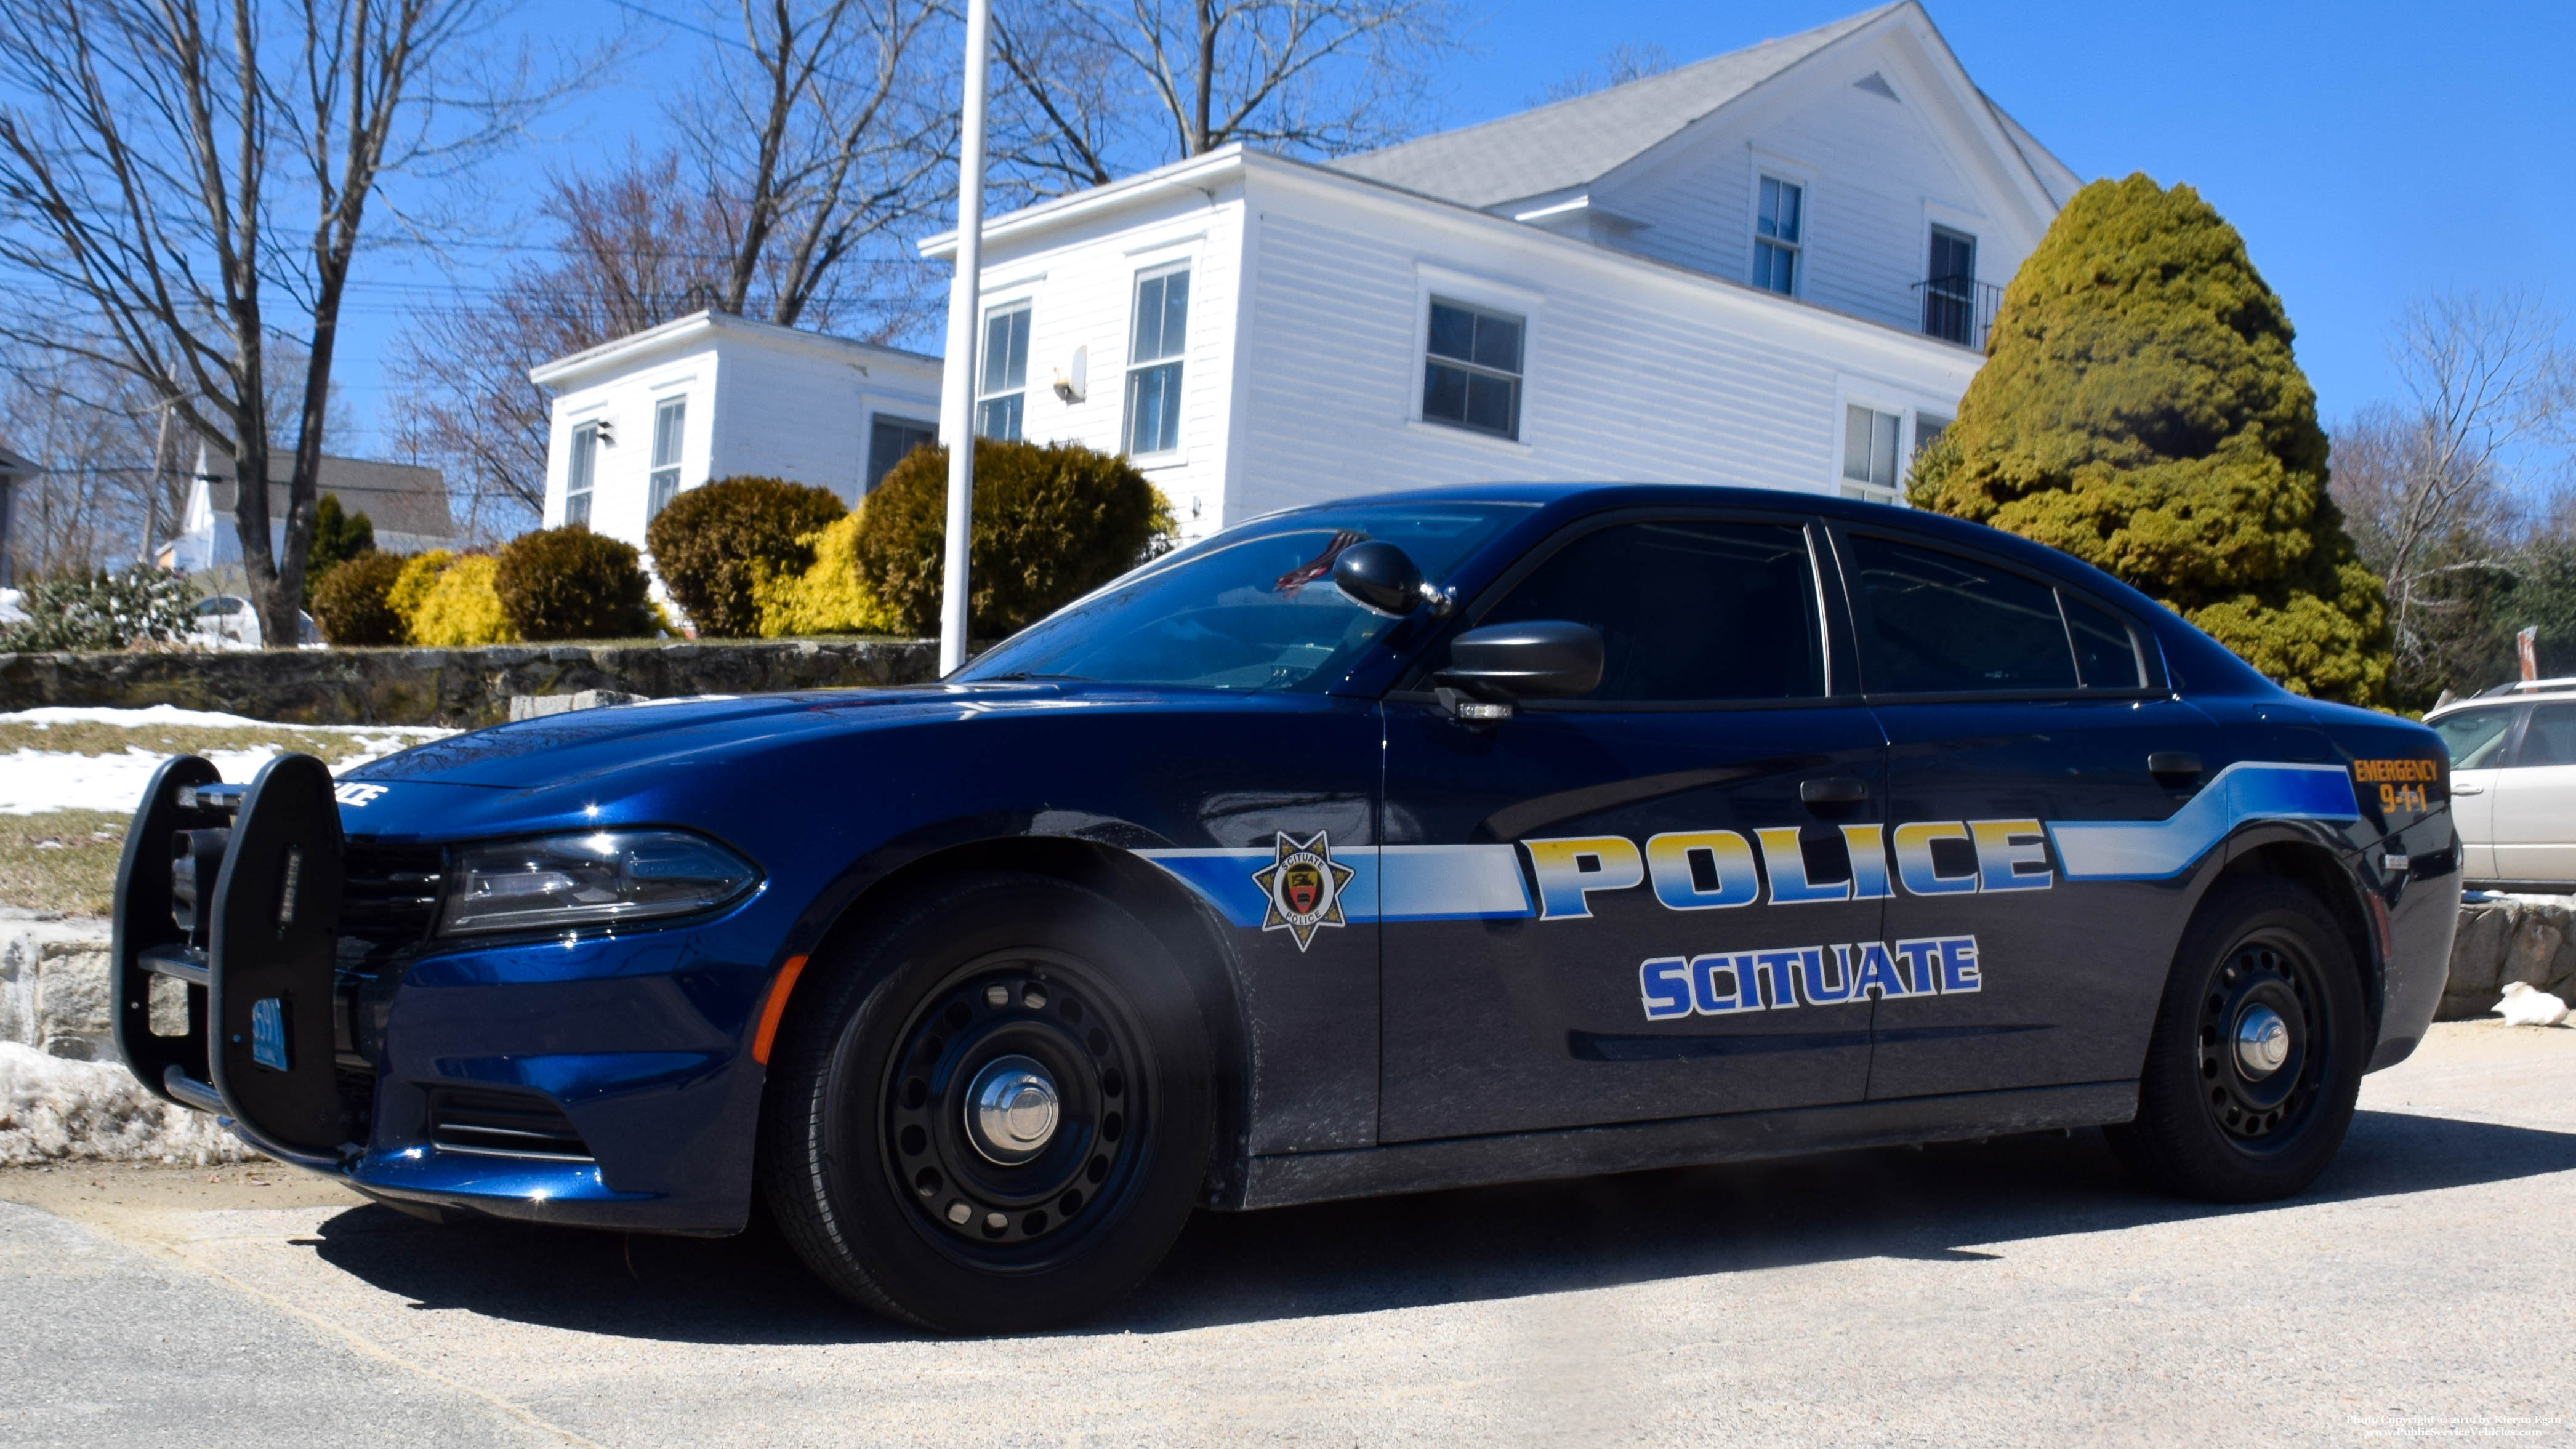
(234, 891)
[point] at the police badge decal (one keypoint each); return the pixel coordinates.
(1303, 887)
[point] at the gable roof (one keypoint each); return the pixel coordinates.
(396, 497)
(1574, 141)
(13, 466)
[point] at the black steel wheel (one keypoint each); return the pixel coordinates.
(990, 1112)
(2256, 1056)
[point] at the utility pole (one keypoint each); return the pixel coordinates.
(957, 385)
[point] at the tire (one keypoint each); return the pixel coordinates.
(900, 1196)
(2216, 1121)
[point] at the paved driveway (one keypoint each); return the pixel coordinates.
(2013, 1293)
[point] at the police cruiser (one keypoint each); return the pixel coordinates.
(1462, 836)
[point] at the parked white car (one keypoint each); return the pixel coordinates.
(228, 621)
(2513, 784)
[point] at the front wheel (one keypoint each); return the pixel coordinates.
(2256, 1057)
(994, 1113)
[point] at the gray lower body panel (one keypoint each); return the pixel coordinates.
(1682, 1142)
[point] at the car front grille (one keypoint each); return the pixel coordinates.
(388, 901)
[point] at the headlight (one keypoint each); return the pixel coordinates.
(595, 878)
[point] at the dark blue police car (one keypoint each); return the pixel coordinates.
(1450, 837)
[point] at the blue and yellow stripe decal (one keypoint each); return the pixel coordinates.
(1399, 883)
(2241, 794)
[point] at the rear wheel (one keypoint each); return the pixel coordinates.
(2257, 1052)
(994, 1115)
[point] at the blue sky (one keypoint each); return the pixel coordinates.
(2369, 151)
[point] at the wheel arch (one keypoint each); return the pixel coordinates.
(1166, 908)
(2322, 873)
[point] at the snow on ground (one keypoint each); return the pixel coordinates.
(34, 781)
(170, 714)
(52, 1109)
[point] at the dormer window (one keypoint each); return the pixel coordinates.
(1777, 236)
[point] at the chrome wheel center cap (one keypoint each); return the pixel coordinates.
(1011, 1110)
(2262, 1042)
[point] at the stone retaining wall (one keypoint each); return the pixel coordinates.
(2508, 939)
(460, 687)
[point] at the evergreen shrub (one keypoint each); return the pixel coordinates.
(2141, 409)
(142, 607)
(337, 538)
(828, 598)
(448, 601)
(352, 604)
(711, 545)
(1051, 524)
(571, 583)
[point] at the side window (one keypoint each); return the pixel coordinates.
(2107, 652)
(670, 429)
(2550, 738)
(1471, 370)
(1154, 362)
(581, 473)
(998, 393)
(2475, 737)
(889, 439)
(1687, 611)
(1936, 623)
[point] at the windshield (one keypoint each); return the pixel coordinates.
(1251, 608)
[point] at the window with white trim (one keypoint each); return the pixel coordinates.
(1471, 368)
(1779, 233)
(579, 473)
(1154, 361)
(1000, 392)
(890, 438)
(670, 424)
(1869, 453)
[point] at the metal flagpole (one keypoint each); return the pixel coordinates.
(957, 384)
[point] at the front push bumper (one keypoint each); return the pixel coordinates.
(598, 1083)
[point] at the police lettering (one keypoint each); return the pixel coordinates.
(1708, 870)
(1726, 983)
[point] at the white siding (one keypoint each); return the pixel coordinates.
(1632, 372)
(797, 408)
(1081, 290)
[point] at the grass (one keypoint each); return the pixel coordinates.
(64, 860)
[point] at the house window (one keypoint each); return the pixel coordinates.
(1928, 428)
(1950, 287)
(889, 440)
(1471, 373)
(1153, 362)
(1006, 371)
(670, 422)
(579, 475)
(1777, 236)
(1869, 453)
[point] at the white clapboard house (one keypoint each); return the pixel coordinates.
(1773, 268)
(405, 503)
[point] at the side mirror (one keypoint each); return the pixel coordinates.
(1379, 576)
(1543, 659)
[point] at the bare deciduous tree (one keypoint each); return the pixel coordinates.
(826, 134)
(2435, 488)
(99, 437)
(1620, 64)
(1103, 86)
(191, 179)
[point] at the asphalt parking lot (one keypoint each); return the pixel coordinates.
(2007, 1293)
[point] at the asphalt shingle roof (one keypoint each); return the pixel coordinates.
(396, 497)
(1576, 141)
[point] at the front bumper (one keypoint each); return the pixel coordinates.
(600, 1080)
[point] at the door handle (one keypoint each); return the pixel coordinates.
(2174, 768)
(2459, 789)
(1833, 790)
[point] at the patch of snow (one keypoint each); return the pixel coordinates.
(35, 781)
(171, 714)
(2526, 1005)
(53, 1109)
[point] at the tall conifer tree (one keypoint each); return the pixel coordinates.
(2141, 410)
